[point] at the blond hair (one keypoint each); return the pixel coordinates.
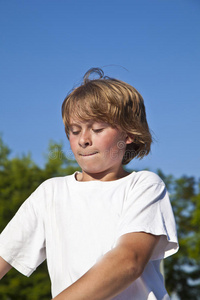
(112, 101)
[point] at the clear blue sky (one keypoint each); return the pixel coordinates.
(47, 46)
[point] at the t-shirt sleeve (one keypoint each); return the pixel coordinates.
(22, 242)
(147, 208)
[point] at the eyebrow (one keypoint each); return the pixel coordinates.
(90, 123)
(74, 124)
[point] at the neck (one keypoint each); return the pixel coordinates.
(111, 176)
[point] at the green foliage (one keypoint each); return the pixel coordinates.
(15, 286)
(183, 269)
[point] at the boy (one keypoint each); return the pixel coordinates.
(103, 231)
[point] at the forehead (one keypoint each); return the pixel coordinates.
(79, 122)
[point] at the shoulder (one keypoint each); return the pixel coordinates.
(147, 178)
(51, 188)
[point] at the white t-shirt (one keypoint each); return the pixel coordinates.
(73, 224)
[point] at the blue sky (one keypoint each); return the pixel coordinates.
(47, 46)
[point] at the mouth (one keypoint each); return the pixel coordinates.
(88, 154)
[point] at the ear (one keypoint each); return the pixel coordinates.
(129, 139)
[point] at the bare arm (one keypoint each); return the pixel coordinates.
(4, 267)
(116, 271)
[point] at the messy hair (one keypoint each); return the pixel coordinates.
(114, 102)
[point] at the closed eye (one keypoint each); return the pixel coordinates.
(98, 130)
(75, 132)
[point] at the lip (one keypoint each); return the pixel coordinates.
(87, 154)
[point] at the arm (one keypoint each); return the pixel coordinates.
(116, 271)
(4, 267)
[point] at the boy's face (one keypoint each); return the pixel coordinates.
(98, 149)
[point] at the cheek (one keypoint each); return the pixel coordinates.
(106, 143)
(72, 142)
(113, 143)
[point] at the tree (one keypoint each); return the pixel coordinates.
(182, 270)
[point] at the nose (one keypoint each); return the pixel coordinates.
(85, 139)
